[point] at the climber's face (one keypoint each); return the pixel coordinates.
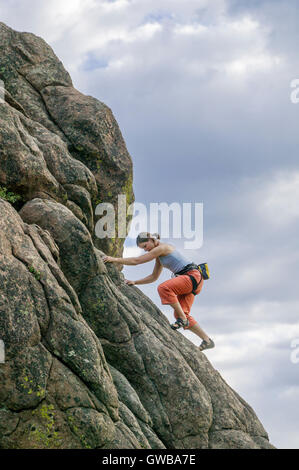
(147, 246)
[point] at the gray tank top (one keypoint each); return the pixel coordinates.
(175, 261)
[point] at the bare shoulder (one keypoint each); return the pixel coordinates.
(165, 248)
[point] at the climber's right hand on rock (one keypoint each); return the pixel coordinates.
(130, 283)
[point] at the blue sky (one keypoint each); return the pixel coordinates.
(201, 92)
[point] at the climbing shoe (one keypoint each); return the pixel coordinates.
(206, 345)
(179, 324)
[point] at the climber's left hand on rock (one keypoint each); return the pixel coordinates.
(108, 259)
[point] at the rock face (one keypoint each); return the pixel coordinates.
(90, 361)
(58, 143)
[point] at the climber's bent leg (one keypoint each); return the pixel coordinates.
(178, 311)
(199, 331)
(176, 292)
(191, 320)
(168, 295)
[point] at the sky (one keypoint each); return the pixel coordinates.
(201, 91)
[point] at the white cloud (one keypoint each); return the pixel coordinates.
(279, 198)
(114, 6)
(250, 64)
(145, 32)
(190, 29)
(224, 26)
(75, 28)
(245, 25)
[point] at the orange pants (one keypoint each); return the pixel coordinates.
(179, 289)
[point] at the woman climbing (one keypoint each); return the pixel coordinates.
(177, 291)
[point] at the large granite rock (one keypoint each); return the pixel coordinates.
(58, 142)
(90, 361)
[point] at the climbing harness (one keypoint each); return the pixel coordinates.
(202, 268)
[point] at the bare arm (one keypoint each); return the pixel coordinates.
(133, 261)
(145, 280)
(152, 277)
(157, 269)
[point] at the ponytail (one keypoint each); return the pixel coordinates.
(156, 236)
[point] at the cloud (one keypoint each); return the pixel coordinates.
(279, 199)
